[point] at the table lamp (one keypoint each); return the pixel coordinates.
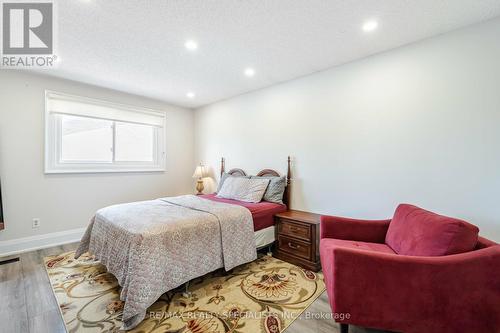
(199, 173)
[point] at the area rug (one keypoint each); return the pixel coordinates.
(266, 295)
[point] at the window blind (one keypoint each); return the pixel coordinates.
(65, 104)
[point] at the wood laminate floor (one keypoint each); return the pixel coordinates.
(27, 279)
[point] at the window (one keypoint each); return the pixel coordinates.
(88, 135)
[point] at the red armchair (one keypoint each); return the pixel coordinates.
(419, 272)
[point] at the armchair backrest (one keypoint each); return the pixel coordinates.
(417, 232)
(483, 243)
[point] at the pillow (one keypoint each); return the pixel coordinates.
(414, 231)
(224, 176)
(275, 189)
(243, 189)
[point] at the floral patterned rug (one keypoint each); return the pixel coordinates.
(266, 295)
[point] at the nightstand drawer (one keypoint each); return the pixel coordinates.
(293, 229)
(294, 246)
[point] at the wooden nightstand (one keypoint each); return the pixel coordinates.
(297, 235)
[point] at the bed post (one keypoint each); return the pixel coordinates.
(222, 166)
(288, 182)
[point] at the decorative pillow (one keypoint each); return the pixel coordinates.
(243, 189)
(275, 189)
(415, 231)
(224, 176)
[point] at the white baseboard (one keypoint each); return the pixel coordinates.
(26, 244)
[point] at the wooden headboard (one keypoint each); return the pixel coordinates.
(265, 172)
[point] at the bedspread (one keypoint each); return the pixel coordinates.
(154, 246)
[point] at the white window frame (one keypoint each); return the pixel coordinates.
(53, 139)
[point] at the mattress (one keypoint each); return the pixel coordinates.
(264, 237)
(262, 212)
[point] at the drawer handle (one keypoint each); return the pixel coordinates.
(294, 229)
(295, 247)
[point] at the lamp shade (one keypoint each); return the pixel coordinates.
(200, 171)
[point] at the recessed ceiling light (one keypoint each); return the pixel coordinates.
(191, 45)
(370, 25)
(249, 72)
(190, 94)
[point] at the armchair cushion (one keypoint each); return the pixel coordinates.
(415, 231)
(330, 243)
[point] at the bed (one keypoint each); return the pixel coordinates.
(262, 217)
(177, 239)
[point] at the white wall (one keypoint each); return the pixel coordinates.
(418, 124)
(67, 201)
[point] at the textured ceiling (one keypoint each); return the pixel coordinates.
(138, 46)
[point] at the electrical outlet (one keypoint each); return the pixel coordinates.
(36, 223)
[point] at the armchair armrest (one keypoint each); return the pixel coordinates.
(460, 292)
(352, 229)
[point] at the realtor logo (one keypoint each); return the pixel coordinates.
(27, 29)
